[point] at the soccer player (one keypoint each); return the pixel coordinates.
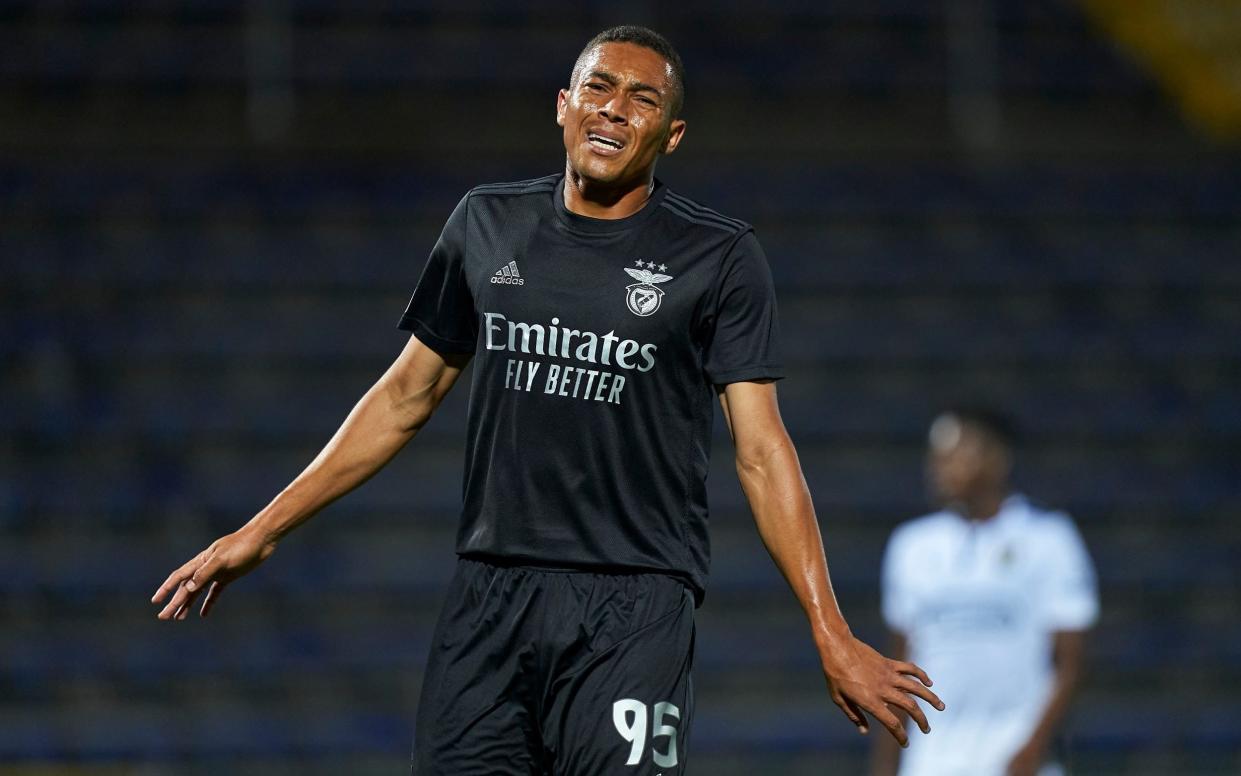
(993, 595)
(605, 314)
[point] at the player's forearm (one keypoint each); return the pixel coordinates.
(381, 423)
(1053, 715)
(776, 490)
(885, 756)
(1069, 658)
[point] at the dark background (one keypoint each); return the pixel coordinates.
(212, 213)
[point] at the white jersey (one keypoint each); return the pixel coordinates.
(978, 603)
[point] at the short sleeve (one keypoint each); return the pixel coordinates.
(441, 311)
(1069, 598)
(742, 337)
(896, 598)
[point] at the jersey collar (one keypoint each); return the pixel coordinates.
(580, 223)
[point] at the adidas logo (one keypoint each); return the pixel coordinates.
(508, 275)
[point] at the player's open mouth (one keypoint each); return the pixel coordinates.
(604, 144)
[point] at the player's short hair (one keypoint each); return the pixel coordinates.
(995, 423)
(646, 38)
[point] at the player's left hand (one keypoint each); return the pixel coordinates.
(862, 682)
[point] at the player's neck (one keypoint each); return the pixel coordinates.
(983, 506)
(594, 200)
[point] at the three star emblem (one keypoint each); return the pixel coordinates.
(651, 265)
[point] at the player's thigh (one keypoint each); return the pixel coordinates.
(629, 710)
(475, 717)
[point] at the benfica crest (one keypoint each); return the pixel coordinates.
(643, 298)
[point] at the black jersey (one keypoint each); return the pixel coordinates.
(596, 343)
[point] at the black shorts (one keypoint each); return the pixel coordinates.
(557, 673)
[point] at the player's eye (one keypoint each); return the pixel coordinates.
(647, 101)
(595, 86)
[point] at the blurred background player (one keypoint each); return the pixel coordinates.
(993, 595)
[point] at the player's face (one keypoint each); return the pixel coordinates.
(963, 462)
(616, 115)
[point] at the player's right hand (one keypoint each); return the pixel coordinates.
(226, 559)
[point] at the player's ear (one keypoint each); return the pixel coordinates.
(562, 102)
(676, 130)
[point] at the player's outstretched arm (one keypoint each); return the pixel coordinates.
(861, 680)
(386, 417)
